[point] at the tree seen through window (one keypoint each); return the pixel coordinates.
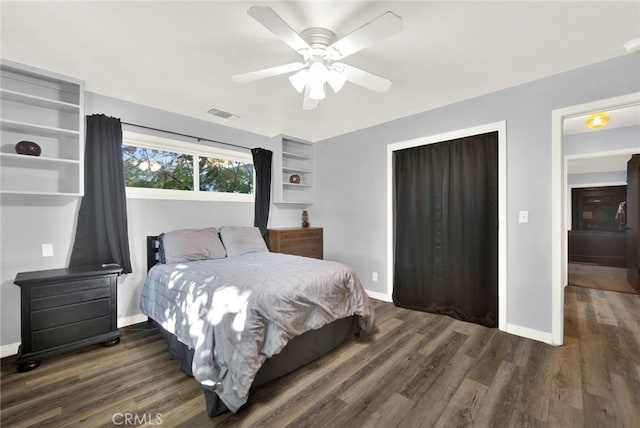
(160, 169)
(223, 175)
(157, 169)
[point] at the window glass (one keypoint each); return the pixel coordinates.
(162, 168)
(157, 169)
(224, 175)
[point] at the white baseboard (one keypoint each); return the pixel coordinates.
(8, 350)
(133, 319)
(379, 296)
(530, 333)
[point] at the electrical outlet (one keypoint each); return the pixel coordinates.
(47, 250)
(374, 277)
(523, 217)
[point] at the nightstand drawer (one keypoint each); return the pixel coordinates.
(313, 252)
(300, 241)
(70, 298)
(69, 287)
(51, 337)
(68, 314)
(300, 234)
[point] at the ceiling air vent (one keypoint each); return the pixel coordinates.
(223, 114)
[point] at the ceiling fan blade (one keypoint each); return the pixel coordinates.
(380, 28)
(272, 22)
(308, 103)
(268, 72)
(365, 79)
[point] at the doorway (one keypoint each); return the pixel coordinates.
(597, 227)
(559, 195)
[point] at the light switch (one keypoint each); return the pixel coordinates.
(523, 217)
(47, 250)
(374, 277)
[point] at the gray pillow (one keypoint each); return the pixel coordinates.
(242, 240)
(192, 244)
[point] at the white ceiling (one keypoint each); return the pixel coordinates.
(618, 118)
(180, 56)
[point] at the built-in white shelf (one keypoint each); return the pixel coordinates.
(300, 170)
(38, 130)
(300, 203)
(295, 157)
(48, 109)
(25, 192)
(296, 185)
(24, 98)
(16, 158)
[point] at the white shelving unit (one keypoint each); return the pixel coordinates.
(295, 157)
(48, 109)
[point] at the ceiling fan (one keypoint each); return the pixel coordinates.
(321, 50)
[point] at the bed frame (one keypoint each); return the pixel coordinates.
(300, 350)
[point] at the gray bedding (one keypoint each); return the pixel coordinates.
(238, 311)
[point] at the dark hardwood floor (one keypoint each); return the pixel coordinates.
(418, 370)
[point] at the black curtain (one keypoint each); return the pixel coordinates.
(262, 164)
(101, 234)
(446, 228)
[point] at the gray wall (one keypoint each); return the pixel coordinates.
(27, 222)
(351, 179)
(600, 141)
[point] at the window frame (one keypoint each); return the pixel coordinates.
(196, 151)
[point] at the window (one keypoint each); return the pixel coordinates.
(157, 169)
(224, 175)
(160, 168)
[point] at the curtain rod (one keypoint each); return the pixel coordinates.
(184, 135)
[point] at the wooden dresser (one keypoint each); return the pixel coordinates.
(65, 309)
(298, 241)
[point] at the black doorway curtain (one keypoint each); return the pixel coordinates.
(101, 234)
(446, 228)
(262, 164)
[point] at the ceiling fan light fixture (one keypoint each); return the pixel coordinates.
(299, 80)
(318, 72)
(336, 80)
(316, 90)
(597, 120)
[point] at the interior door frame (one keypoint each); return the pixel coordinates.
(559, 185)
(501, 128)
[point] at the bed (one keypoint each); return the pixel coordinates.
(240, 320)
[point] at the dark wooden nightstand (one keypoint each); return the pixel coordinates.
(65, 309)
(298, 241)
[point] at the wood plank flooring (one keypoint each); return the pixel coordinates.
(600, 277)
(417, 370)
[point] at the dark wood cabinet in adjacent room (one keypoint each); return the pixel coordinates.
(595, 208)
(299, 241)
(633, 222)
(65, 309)
(598, 232)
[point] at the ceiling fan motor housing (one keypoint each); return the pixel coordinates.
(319, 39)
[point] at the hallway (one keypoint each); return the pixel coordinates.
(599, 277)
